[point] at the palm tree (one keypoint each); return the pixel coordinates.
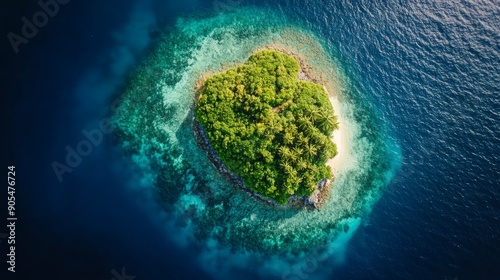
(302, 164)
(298, 180)
(305, 123)
(294, 157)
(292, 128)
(269, 134)
(313, 170)
(288, 138)
(294, 182)
(298, 151)
(284, 152)
(274, 125)
(303, 140)
(287, 167)
(334, 121)
(292, 173)
(327, 121)
(315, 114)
(311, 150)
(309, 180)
(317, 138)
(310, 129)
(294, 179)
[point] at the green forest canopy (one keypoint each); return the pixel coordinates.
(268, 127)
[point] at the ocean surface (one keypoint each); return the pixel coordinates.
(420, 81)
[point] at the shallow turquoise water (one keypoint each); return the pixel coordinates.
(155, 128)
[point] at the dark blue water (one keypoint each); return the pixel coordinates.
(430, 69)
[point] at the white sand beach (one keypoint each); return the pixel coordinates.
(339, 138)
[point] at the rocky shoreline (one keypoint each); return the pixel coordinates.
(317, 198)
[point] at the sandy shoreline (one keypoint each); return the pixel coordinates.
(339, 138)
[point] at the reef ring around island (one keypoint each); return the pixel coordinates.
(154, 123)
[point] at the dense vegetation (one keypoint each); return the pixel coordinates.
(268, 127)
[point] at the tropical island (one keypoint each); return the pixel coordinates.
(267, 128)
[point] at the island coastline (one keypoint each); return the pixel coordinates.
(320, 195)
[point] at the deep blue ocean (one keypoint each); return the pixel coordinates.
(429, 69)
